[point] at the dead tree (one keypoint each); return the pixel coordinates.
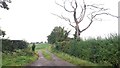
(96, 11)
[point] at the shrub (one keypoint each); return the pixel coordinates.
(95, 50)
(12, 45)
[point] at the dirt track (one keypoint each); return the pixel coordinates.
(54, 62)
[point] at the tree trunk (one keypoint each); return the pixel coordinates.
(77, 32)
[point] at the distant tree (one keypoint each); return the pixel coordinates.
(41, 42)
(80, 12)
(45, 42)
(2, 33)
(37, 42)
(57, 35)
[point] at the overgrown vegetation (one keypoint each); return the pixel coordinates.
(72, 59)
(13, 45)
(101, 51)
(16, 53)
(19, 58)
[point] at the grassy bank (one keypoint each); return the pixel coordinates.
(102, 51)
(13, 60)
(19, 58)
(74, 60)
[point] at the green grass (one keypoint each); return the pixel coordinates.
(47, 55)
(19, 58)
(72, 59)
(64, 56)
(14, 60)
(0, 59)
(43, 48)
(102, 51)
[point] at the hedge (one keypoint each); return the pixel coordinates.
(95, 50)
(12, 45)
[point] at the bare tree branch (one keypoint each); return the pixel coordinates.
(82, 12)
(76, 4)
(105, 14)
(74, 14)
(93, 17)
(71, 4)
(87, 26)
(66, 19)
(64, 6)
(72, 25)
(98, 19)
(1, 5)
(96, 7)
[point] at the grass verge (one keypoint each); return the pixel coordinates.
(72, 59)
(43, 48)
(18, 58)
(46, 54)
(13, 60)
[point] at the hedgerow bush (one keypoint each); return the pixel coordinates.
(16, 53)
(95, 50)
(12, 45)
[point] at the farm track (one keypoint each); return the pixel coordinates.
(42, 61)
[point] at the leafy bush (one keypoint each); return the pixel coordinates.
(58, 34)
(12, 45)
(95, 50)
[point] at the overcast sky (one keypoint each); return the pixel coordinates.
(31, 20)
